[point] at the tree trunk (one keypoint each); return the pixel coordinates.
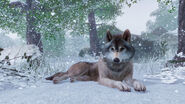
(181, 29)
(94, 48)
(32, 37)
(178, 59)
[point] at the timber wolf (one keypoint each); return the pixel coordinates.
(114, 69)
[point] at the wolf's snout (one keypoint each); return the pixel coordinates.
(116, 60)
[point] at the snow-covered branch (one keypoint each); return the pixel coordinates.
(12, 58)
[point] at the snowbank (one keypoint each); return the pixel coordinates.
(169, 75)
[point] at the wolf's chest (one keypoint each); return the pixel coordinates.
(118, 74)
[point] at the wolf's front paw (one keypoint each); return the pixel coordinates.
(122, 87)
(138, 86)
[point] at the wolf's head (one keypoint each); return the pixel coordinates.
(118, 48)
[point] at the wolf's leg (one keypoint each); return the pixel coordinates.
(81, 78)
(114, 84)
(75, 75)
(138, 86)
(62, 76)
(78, 74)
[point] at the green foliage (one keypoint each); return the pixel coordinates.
(108, 11)
(55, 16)
(163, 18)
(54, 46)
(105, 10)
(169, 3)
(103, 29)
(12, 19)
(129, 3)
(72, 15)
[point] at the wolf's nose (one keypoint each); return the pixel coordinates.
(116, 60)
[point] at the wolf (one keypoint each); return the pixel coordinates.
(114, 68)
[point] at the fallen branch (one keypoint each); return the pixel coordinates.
(13, 72)
(176, 61)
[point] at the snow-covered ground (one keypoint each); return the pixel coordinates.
(92, 93)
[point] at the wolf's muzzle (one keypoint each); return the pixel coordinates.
(117, 60)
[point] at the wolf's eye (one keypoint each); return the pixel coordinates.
(112, 49)
(121, 49)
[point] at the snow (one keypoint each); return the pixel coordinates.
(52, 13)
(93, 93)
(9, 39)
(180, 54)
(174, 32)
(169, 75)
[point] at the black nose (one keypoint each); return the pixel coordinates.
(116, 60)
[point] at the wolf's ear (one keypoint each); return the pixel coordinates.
(108, 36)
(127, 35)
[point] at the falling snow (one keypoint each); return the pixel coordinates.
(24, 83)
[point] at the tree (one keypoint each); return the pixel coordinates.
(179, 59)
(181, 32)
(38, 19)
(32, 36)
(93, 33)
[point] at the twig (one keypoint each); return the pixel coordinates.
(10, 69)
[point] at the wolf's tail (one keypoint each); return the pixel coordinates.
(59, 74)
(50, 78)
